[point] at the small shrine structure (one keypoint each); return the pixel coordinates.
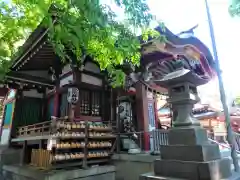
(58, 113)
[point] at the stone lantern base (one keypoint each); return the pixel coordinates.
(189, 155)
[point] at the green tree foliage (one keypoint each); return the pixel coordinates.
(234, 8)
(237, 100)
(83, 26)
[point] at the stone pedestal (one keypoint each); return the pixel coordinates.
(196, 159)
(189, 154)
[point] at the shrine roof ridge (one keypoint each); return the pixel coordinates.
(39, 34)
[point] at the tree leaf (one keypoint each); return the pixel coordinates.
(81, 24)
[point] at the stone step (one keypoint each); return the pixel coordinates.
(152, 176)
(207, 152)
(216, 169)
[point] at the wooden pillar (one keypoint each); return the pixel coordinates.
(155, 109)
(104, 102)
(118, 125)
(75, 109)
(142, 114)
(56, 102)
(24, 153)
(18, 101)
(41, 144)
(58, 71)
(45, 106)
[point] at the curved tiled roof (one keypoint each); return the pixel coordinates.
(191, 41)
(201, 111)
(191, 51)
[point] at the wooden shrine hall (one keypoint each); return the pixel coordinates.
(57, 109)
(41, 85)
(63, 115)
(48, 100)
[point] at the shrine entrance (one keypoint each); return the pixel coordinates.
(138, 117)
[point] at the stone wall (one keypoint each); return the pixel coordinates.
(12, 176)
(16, 172)
(129, 167)
(9, 156)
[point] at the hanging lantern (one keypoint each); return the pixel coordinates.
(73, 95)
(132, 90)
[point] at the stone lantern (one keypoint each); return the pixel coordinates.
(189, 154)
